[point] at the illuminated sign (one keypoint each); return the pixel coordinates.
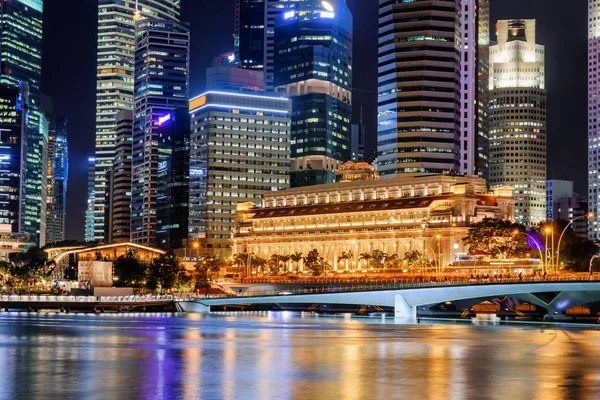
(289, 14)
(231, 57)
(327, 14)
(327, 5)
(162, 166)
(164, 119)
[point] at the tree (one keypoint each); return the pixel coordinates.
(70, 273)
(415, 258)
(366, 257)
(274, 264)
(205, 267)
(315, 263)
(284, 262)
(575, 251)
(165, 272)
(5, 272)
(259, 263)
(345, 257)
(296, 258)
(129, 271)
(496, 238)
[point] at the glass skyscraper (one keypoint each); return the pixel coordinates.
(161, 86)
(58, 175)
(21, 66)
(313, 66)
(115, 79)
(249, 36)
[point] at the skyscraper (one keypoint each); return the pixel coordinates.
(173, 177)
(88, 231)
(313, 66)
(418, 113)
(239, 150)
(58, 176)
(118, 225)
(473, 156)
(12, 131)
(249, 36)
(161, 86)
(115, 79)
(21, 66)
(518, 118)
(593, 121)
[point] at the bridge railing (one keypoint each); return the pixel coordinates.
(83, 299)
(391, 285)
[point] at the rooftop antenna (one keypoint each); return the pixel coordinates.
(137, 15)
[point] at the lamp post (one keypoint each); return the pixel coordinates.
(547, 232)
(591, 262)
(439, 238)
(589, 215)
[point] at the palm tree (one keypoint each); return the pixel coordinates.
(259, 263)
(296, 257)
(414, 258)
(284, 260)
(391, 261)
(366, 257)
(345, 257)
(377, 260)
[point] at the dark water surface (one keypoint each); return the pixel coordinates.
(290, 356)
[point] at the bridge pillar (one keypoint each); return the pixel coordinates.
(192, 306)
(402, 309)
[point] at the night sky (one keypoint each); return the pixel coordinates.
(69, 61)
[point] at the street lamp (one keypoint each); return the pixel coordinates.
(547, 231)
(439, 237)
(591, 262)
(589, 215)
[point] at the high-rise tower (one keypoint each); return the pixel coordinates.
(473, 155)
(58, 176)
(115, 79)
(161, 86)
(593, 121)
(21, 66)
(418, 113)
(313, 66)
(518, 118)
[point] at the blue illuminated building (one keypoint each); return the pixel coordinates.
(161, 86)
(239, 150)
(313, 66)
(58, 176)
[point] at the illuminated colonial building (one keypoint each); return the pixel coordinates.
(518, 118)
(430, 214)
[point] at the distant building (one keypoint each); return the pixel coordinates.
(593, 122)
(239, 150)
(161, 62)
(418, 104)
(115, 78)
(352, 171)
(556, 190)
(474, 87)
(313, 66)
(21, 65)
(357, 142)
(12, 131)
(173, 181)
(119, 191)
(228, 78)
(89, 234)
(518, 118)
(58, 176)
(249, 39)
(430, 214)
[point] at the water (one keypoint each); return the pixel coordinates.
(290, 356)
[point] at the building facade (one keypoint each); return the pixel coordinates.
(88, 230)
(474, 87)
(21, 65)
(239, 150)
(430, 214)
(518, 118)
(118, 223)
(12, 132)
(555, 190)
(115, 79)
(173, 177)
(320, 90)
(161, 86)
(58, 177)
(418, 94)
(249, 36)
(593, 121)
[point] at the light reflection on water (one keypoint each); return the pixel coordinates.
(284, 356)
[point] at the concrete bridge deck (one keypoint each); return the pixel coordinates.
(84, 303)
(554, 295)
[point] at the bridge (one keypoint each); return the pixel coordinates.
(553, 295)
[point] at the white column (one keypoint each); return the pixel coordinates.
(402, 309)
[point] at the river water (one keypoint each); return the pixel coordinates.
(291, 356)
